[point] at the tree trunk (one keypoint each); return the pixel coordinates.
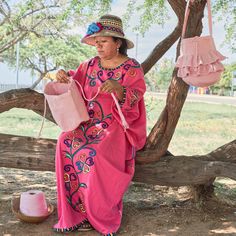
(162, 132)
(38, 154)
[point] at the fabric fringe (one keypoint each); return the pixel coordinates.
(67, 230)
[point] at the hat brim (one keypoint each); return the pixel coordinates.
(90, 40)
(30, 219)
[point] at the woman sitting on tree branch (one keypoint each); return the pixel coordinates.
(95, 162)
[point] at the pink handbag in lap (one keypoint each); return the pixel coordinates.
(66, 104)
(68, 107)
(199, 61)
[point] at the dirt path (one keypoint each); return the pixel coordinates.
(148, 210)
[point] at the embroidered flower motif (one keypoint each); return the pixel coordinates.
(66, 177)
(83, 164)
(73, 185)
(94, 28)
(93, 74)
(76, 143)
(132, 72)
(68, 142)
(118, 75)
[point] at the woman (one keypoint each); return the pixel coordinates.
(95, 162)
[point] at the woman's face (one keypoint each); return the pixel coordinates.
(106, 47)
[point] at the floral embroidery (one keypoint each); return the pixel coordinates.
(94, 72)
(94, 28)
(66, 177)
(118, 75)
(80, 154)
(132, 72)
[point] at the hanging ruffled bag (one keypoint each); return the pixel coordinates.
(199, 62)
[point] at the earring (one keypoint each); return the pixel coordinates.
(117, 51)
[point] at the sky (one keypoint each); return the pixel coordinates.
(143, 45)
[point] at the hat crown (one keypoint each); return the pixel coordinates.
(112, 23)
(111, 20)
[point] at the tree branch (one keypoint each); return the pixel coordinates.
(39, 9)
(4, 13)
(39, 154)
(161, 49)
(26, 99)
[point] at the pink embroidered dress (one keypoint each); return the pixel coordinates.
(95, 162)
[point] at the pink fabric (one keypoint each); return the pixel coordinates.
(64, 99)
(95, 163)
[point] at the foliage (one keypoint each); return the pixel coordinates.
(48, 54)
(151, 12)
(223, 87)
(226, 10)
(42, 18)
(156, 12)
(158, 78)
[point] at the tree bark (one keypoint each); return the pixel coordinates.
(24, 98)
(162, 132)
(38, 154)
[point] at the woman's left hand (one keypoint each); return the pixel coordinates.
(112, 86)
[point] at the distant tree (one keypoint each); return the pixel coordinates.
(46, 54)
(158, 78)
(223, 87)
(226, 10)
(42, 18)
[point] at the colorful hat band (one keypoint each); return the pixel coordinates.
(110, 28)
(97, 27)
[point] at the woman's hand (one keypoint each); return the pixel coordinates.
(112, 86)
(62, 77)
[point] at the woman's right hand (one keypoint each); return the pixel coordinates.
(62, 77)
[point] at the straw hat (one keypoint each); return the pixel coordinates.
(107, 25)
(15, 204)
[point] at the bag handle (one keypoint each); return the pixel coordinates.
(186, 15)
(82, 91)
(43, 120)
(123, 120)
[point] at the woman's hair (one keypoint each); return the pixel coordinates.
(123, 48)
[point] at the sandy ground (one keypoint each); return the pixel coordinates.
(148, 210)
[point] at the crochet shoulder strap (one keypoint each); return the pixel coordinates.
(186, 15)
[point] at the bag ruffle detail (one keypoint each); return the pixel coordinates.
(197, 60)
(201, 69)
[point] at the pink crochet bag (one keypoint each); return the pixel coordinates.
(199, 61)
(66, 104)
